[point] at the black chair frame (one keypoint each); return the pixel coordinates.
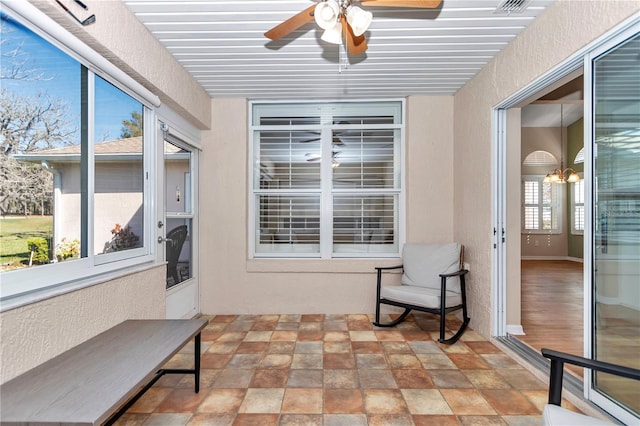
(442, 311)
(175, 240)
(558, 359)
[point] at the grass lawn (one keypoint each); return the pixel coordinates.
(14, 233)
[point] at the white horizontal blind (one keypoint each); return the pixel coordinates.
(531, 205)
(350, 208)
(541, 205)
(578, 206)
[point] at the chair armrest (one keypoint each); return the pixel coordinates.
(558, 359)
(387, 268)
(455, 274)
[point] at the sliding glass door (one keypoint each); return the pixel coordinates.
(615, 269)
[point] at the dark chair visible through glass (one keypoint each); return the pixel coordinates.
(175, 240)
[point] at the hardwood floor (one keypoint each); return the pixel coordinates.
(552, 306)
(552, 317)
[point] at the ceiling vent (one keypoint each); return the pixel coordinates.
(508, 7)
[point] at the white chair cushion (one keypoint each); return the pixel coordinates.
(554, 415)
(423, 264)
(418, 296)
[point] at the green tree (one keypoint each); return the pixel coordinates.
(132, 128)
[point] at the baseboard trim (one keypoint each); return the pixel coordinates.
(567, 258)
(515, 329)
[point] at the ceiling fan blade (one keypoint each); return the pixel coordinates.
(291, 24)
(356, 45)
(427, 4)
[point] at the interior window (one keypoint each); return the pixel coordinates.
(327, 181)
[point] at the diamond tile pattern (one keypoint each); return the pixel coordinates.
(340, 370)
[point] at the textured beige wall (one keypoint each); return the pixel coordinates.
(564, 28)
(232, 283)
(121, 38)
(37, 332)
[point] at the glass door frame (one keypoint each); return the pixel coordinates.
(580, 59)
(607, 44)
(182, 300)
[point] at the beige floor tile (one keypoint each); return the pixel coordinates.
(376, 379)
(276, 361)
(404, 361)
(467, 402)
(222, 401)
(258, 336)
(262, 400)
(345, 420)
(486, 379)
(300, 420)
(436, 362)
(425, 401)
(206, 419)
(362, 336)
(341, 379)
(164, 419)
(384, 401)
(307, 361)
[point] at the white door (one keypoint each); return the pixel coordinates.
(180, 226)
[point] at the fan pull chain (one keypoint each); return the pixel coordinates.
(342, 56)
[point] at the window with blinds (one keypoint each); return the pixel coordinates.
(577, 223)
(326, 179)
(541, 206)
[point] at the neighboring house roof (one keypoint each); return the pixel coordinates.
(116, 150)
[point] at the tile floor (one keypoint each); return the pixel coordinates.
(340, 370)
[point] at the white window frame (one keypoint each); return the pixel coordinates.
(575, 204)
(326, 191)
(26, 286)
(556, 206)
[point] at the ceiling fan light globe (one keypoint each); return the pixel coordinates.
(333, 35)
(326, 14)
(358, 19)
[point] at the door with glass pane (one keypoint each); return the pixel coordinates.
(180, 235)
(615, 218)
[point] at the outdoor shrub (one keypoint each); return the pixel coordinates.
(67, 249)
(39, 249)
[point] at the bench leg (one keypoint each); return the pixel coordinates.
(197, 362)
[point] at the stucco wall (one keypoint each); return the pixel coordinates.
(235, 284)
(37, 332)
(564, 28)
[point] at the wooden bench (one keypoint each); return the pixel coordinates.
(98, 380)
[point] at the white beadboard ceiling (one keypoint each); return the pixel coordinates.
(411, 51)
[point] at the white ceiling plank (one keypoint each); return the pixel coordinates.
(411, 51)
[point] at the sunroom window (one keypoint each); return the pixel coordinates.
(326, 179)
(74, 169)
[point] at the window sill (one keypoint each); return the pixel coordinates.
(529, 232)
(59, 290)
(320, 266)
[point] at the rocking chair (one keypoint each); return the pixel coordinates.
(433, 281)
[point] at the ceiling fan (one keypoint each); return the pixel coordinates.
(343, 19)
